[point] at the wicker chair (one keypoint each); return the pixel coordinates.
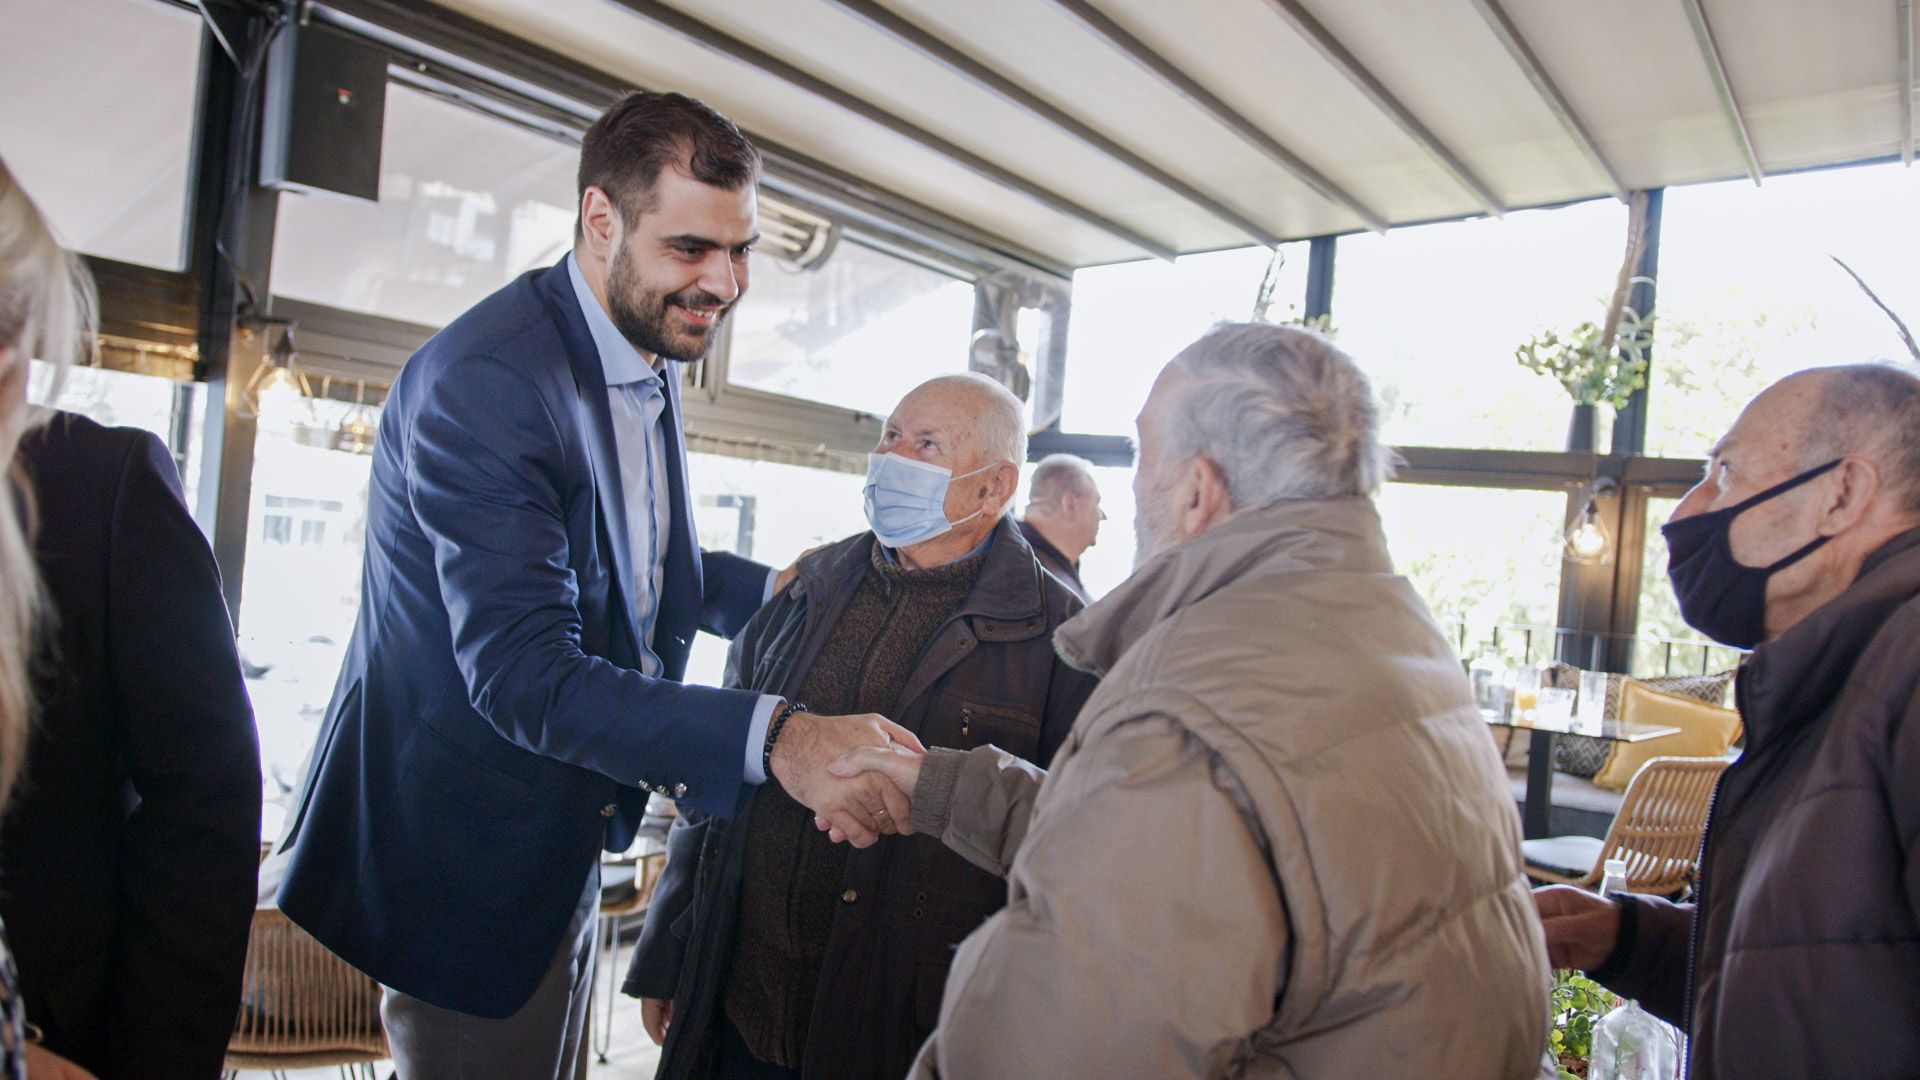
(302, 1006)
(1658, 832)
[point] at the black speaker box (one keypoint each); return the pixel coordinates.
(326, 98)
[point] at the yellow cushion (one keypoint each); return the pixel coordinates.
(1705, 731)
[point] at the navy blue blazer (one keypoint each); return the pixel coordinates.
(490, 730)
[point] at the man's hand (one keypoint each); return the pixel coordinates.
(785, 577)
(862, 807)
(656, 1014)
(1581, 927)
(897, 763)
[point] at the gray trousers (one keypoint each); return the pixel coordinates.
(540, 1042)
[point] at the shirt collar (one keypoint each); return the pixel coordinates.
(619, 360)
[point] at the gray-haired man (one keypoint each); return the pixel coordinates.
(1277, 841)
(1063, 516)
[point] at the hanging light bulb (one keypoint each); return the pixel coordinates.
(277, 384)
(356, 433)
(1586, 541)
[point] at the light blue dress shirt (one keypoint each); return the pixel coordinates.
(636, 396)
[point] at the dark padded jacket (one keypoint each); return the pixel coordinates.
(1802, 958)
(989, 675)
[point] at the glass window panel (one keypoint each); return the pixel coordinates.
(1482, 558)
(766, 511)
(1129, 319)
(96, 120)
(124, 399)
(1749, 290)
(1435, 312)
(859, 330)
(467, 203)
(301, 588)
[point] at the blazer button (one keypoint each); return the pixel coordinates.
(679, 791)
(850, 896)
(608, 810)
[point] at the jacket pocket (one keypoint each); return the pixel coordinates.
(437, 761)
(977, 723)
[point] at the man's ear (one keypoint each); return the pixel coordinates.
(599, 221)
(1850, 496)
(1003, 483)
(1205, 502)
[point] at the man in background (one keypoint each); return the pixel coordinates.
(1063, 516)
(773, 952)
(1799, 956)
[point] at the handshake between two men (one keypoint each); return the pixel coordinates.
(856, 773)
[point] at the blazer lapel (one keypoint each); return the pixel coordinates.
(595, 417)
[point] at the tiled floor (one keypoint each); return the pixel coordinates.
(631, 1055)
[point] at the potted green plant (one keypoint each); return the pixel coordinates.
(1600, 363)
(1577, 1003)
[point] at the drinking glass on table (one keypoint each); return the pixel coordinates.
(1526, 692)
(1592, 706)
(1554, 705)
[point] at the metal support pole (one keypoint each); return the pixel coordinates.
(231, 253)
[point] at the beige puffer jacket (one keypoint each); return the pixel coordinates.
(1278, 842)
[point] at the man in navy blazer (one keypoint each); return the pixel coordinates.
(531, 587)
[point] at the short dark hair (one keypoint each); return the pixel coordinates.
(642, 133)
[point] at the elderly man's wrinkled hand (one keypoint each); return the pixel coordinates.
(900, 765)
(862, 807)
(1581, 928)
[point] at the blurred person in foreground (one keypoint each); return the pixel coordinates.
(46, 313)
(770, 951)
(1277, 842)
(1063, 516)
(1799, 954)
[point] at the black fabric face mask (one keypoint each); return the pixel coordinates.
(1719, 596)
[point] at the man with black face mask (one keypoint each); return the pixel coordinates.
(1800, 955)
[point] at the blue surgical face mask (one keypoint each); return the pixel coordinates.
(1720, 596)
(907, 499)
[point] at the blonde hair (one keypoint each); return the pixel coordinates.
(47, 314)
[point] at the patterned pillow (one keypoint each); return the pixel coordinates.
(1581, 755)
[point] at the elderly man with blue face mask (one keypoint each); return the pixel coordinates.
(1799, 954)
(769, 951)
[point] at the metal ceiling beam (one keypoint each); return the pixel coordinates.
(1722, 86)
(1143, 54)
(733, 48)
(1903, 17)
(1383, 99)
(966, 66)
(1549, 92)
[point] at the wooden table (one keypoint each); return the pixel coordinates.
(1539, 800)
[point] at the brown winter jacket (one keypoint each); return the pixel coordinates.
(1277, 843)
(1805, 945)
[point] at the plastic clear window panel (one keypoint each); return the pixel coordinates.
(1129, 319)
(96, 120)
(858, 330)
(1434, 313)
(767, 511)
(1485, 560)
(124, 399)
(468, 202)
(301, 590)
(1749, 290)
